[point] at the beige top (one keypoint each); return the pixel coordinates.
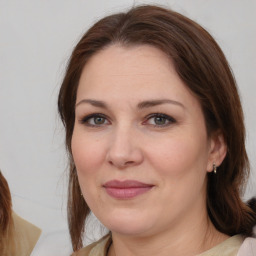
(25, 236)
(229, 247)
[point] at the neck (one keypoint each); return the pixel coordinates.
(188, 238)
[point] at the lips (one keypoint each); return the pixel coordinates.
(126, 189)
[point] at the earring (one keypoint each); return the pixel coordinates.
(214, 168)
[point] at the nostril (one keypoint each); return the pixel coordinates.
(124, 157)
(121, 164)
(111, 162)
(128, 162)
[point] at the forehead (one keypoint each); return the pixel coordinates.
(130, 57)
(138, 72)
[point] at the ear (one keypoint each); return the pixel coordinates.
(217, 150)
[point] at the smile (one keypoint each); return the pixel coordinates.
(127, 189)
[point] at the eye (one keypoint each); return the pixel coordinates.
(159, 120)
(95, 120)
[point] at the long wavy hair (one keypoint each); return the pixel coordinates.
(202, 66)
(6, 222)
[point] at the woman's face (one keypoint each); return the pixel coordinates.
(140, 144)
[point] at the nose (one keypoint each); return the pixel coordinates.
(124, 150)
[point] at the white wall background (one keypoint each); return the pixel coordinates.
(36, 39)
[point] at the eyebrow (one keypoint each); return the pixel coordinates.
(141, 105)
(152, 103)
(95, 103)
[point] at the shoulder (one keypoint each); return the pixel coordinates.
(24, 225)
(25, 234)
(229, 247)
(53, 243)
(248, 248)
(98, 248)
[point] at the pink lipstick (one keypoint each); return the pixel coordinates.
(126, 189)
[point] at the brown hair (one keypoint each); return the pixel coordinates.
(6, 223)
(202, 66)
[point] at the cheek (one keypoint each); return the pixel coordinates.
(181, 164)
(87, 154)
(87, 157)
(179, 156)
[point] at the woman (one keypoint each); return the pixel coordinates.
(155, 133)
(17, 236)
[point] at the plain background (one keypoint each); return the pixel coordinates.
(36, 40)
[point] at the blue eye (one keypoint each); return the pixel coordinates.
(95, 120)
(159, 120)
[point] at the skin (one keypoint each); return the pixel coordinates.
(173, 154)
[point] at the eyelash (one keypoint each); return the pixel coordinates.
(170, 120)
(86, 119)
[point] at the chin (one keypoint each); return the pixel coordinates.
(128, 223)
(130, 229)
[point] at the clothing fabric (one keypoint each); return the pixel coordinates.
(99, 248)
(25, 237)
(248, 247)
(229, 247)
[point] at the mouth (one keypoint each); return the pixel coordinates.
(127, 189)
